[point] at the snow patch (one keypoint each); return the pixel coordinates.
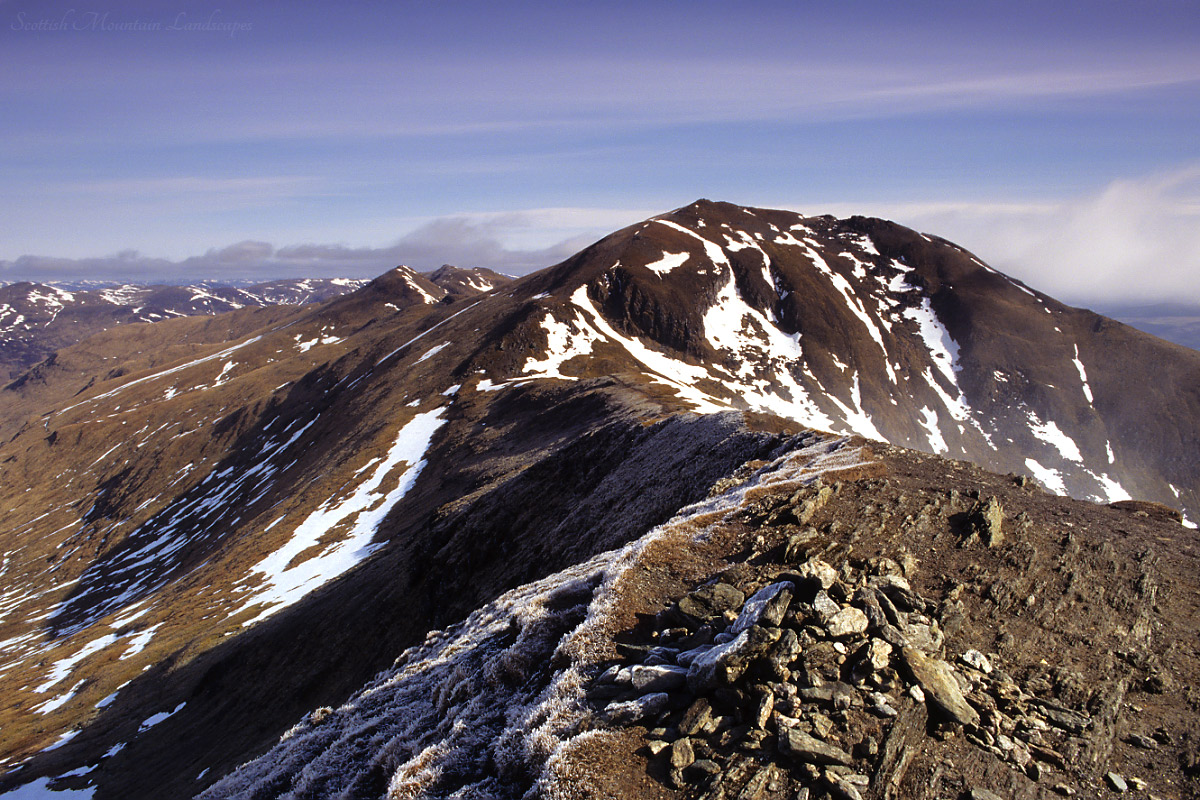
(1052, 435)
(155, 719)
(433, 351)
(40, 790)
(938, 341)
(1087, 390)
(564, 341)
(668, 262)
(1049, 478)
(359, 515)
(929, 421)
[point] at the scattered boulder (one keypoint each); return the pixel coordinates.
(977, 660)
(710, 601)
(662, 678)
(986, 522)
(818, 572)
(682, 754)
(630, 712)
(803, 684)
(984, 794)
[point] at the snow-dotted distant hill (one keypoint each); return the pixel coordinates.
(37, 319)
(430, 537)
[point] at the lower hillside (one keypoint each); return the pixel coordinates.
(840, 620)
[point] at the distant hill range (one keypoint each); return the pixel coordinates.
(37, 319)
(1175, 322)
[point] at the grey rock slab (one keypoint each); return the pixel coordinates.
(686, 658)
(977, 660)
(726, 663)
(1064, 718)
(809, 749)
(709, 601)
(765, 607)
(936, 679)
(662, 678)
(878, 655)
(696, 718)
(632, 711)
(825, 606)
(849, 621)
(979, 793)
(841, 787)
(682, 753)
(819, 572)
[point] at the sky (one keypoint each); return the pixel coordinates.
(1059, 141)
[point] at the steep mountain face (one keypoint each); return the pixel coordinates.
(215, 525)
(865, 326)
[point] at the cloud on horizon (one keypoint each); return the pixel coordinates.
(1135, 240)
(466, 241)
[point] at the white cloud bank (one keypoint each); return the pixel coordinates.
(1136, 240)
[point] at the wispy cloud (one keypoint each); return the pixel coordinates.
(184, 185)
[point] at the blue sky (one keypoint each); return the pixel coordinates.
(1057, 140)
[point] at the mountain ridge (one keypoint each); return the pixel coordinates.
(357, 457)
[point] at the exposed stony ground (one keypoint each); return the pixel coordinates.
(932, 632)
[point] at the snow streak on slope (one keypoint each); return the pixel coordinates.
(215, 356)
(765, 356)
(1052, 435)
(156, 547)
(668, 262)
(493, 707)
(289, 575)
(938, 342)
(1087, 390)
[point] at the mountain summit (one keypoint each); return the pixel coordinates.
(448, 521)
